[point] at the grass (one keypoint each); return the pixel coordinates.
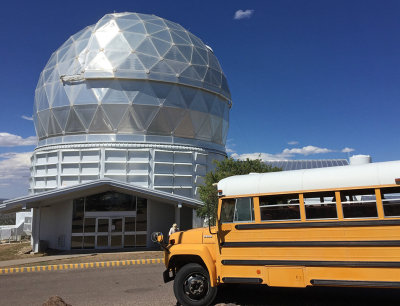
(9, 251)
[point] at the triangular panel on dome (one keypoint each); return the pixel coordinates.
(136, 28)
(99, 88)
(217, 107)
(53, 128)
(64, 66)
(85, 96)
(186, 51)
(145, 114)
(163, 35)
(40, 131)
(52, 61)
(74, 125)
(146, 16)
(44, 117)
(118, 43)
(103, 21)
(50, 90)
(106, 33)
(161, 45)
(203, 53)
(213, 62)
(185, 128)
(115, 112)
(61, 114)
(147, 47)
(86, 113)
(196, 41)
(175, 55)
(158, 21)
(100, 123)
(190, 73)
(99, 62)
(177, 39)
(198, 103)
(175, 98)
(146, 94)
(134, 39)
(129, 124)
(201, 70)
(160, 124)
(42, 101)
(132, 63)
(152, 28)
(147, 60)
(198, 120)
(162, 67)
(173, 25)
(116, 58)
(216, 128)
(188, 94)
(126, 22)
(115, 94)
(205, 131)
(183, 34)
(131, 89)
(178, 67)
(174, 116)
(161, 90)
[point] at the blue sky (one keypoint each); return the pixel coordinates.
(308, 78)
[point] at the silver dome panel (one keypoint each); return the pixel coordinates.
(133, 74)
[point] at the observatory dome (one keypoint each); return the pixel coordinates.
(132, 74)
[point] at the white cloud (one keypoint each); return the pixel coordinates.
(348, 150)
(27, 117)
(11, 140)
(307, 150)
(240, 14)
(14, 168)
(292, 143)
(284, 155)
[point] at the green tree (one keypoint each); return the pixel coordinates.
(225, 168)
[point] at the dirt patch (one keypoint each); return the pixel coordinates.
(55, 301)
(9, 251)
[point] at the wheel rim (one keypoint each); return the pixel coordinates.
(195, 286)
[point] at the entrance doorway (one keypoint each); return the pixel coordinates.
(110, 232)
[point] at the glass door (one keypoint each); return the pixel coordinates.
(116, 231)
(103, 230)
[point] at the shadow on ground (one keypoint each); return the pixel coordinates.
(313, 296)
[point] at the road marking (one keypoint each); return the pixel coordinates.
(87, 265)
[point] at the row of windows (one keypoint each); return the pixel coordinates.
(317, 205)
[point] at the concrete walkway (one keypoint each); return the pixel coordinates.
(24, 261)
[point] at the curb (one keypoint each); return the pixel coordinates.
(99, 264)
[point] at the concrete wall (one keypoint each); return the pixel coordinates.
(160, 217)
(56, 224)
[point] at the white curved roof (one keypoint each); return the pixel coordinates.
(383, 173)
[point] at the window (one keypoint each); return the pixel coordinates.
(359, 203)
(280, 207)
(237, 210)
(391, 201)
(227, 210)
(320, 205)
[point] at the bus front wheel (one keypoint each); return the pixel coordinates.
(192, 286)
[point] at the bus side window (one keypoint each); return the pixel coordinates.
(320, 205)
(280, 207)
(227, 210)
(244, 210)
(391, 201)
(359, 203)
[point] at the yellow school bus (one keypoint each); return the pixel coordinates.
(337, 226)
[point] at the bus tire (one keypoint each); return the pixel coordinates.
(192, 286)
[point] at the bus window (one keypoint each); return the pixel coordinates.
(359, 203)
(227, 210)
(391, 201)
(320, 205)
(280, 207)
(244, 210)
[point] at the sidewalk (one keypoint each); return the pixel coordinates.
(24, 261)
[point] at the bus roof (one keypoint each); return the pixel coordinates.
(383, 173)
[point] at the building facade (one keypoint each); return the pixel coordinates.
(130, 114)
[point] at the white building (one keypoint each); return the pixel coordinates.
(130, 114)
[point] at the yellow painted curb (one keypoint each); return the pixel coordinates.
(87, 265)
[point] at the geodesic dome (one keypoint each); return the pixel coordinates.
(133, 74)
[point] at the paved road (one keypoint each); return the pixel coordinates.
(142, 285)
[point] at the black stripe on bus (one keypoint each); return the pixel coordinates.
(317, 224)
(344, 283)
(310, 263)
(242, 280)
(256, 244)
